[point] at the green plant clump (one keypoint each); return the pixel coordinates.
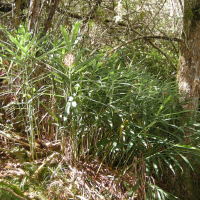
(110, 110)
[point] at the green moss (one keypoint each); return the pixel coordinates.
(11, 187)
(196, 13)
(7, 194)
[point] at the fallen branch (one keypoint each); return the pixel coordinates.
(7, 135)
(46, 162)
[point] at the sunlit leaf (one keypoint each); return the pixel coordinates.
(74, 33)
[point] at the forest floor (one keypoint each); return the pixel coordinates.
(54, 175)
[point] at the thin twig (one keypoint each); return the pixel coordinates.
(7, 13)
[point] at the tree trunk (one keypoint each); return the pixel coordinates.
(188, 76)
(17, 14)
(51, 14)
(31, 14)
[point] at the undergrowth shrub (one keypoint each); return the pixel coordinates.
(98, 107)
(125, 117)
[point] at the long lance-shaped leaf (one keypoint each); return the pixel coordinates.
(182, 156)
(163, 193)
(49, 111)
(66, 38)
(77, 59)
(155, 165)
(24, 39)
(74, 34)
(35, 39)
(79, 55)
(176, 162)
(148, 194)
(40, 41)
(17, 43)
(168, 163)
(45, 54)
(89, 61)
(134, 189)
(67, 112)
(10, 51)
(162, 106)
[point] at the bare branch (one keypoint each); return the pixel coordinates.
(150, 37)
(51, 14)
(92, 11)
(147, 38)
(7, 13)
(161, 51)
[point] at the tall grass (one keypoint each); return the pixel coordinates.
(98, 107)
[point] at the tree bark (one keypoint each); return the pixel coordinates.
(31, 14)
(188, 75)
(51, 14)
(17, 14)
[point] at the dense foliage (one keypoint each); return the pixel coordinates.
(99, 124)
